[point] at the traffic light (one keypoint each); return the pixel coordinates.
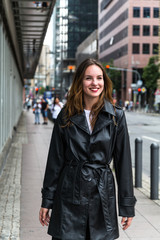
(36, 89)
(70, 67)
(139, 90)
(107, 66)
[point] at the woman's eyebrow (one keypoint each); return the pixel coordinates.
(100, 75)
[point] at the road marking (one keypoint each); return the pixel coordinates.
(152, 139)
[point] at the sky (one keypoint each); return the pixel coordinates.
(49, 35)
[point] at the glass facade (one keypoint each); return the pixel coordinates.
(83, 21)
(74, 21)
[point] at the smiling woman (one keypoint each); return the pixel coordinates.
(78, 184)
(93, 85)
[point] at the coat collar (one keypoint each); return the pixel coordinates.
(103, 120)
(108, 107)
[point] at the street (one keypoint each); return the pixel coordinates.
(147, 127)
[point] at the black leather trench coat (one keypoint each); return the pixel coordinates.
(79, 185)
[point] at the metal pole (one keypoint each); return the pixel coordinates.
(138, 162)
(154, 186)
(127, 70)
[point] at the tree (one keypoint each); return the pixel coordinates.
(41, 90)
(150, 76)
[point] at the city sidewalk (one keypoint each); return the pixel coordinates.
(21, 182)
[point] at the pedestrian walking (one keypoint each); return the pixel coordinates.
(37, 111)
(44, 111)
(29, 104)
(56, 108)
(78, 183)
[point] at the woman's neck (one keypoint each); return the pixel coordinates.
(88, 103)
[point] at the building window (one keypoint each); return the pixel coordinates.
(155, 48)
(136, 12)
(155, 30)
(156, 12)
(146, 30)
(146, 48)
(146, 12)
(136, 30)
(135, 48)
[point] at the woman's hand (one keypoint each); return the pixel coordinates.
(126, 222)
(44, 217)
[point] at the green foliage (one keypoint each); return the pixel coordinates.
(41, 90)
(114, 75)
(151, 74)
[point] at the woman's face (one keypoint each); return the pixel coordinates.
(56, 100)
(93, 82)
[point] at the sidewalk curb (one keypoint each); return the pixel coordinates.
(146, 187)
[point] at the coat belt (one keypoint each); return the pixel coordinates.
(100, 185)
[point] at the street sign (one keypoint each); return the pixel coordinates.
(139, 83)
(143, 89)
(157, 96)
(134, 86)
(157, 92)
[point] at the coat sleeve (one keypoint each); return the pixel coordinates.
(54, 166)
(123, 169)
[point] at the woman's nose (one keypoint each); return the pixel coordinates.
(94, 81)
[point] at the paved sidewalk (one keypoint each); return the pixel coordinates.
(21, 181)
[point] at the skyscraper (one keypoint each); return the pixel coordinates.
(75, 20)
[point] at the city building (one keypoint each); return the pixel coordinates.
(88, 48)
(74, 22)
(22, 30)
(44, 71)
(128, 34)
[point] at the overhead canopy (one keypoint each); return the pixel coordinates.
(31, 19)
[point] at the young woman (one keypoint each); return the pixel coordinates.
(56, 108)
(78, 184)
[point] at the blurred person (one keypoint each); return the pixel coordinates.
(29, 104)
(131, 105)
(37, 4)
(120, 103)
(37, 111)
(78, 183)
(44, 110)
(56, 108)
(44, 6)
(126, 104)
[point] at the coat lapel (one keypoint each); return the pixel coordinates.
(80, 121)
(104, 119)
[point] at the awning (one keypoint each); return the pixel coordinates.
(31, 19)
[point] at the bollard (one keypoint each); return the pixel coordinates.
(154, 166)
(138, 162)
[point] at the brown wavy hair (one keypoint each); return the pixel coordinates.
(75, 102)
